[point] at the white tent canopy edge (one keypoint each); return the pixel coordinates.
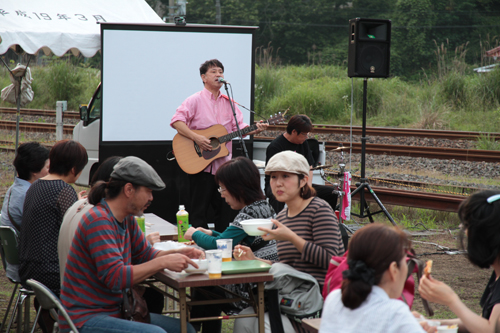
(63, 25)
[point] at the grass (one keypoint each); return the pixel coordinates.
(486, 142)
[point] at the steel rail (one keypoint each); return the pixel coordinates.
(434, 201)
(34, 127)
(491, 156)
(394, 132)
(39, 112)
(413, 185)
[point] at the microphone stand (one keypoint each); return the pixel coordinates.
(236, 120)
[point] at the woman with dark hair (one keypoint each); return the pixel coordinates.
(31, 163)
(44, 207)
(307, 231)
(367, 301)
(239, 185)
(480, 235)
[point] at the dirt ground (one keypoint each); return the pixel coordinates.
(467, 280)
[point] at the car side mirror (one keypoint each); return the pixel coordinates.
(84, 114)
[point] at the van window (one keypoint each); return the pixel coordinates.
(95, 109)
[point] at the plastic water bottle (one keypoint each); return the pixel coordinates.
(182, 223)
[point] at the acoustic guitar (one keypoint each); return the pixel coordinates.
(192, 159)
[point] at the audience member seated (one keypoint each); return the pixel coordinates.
(46, 202)
(239, 185)
(110, 254)
(367, 301)
(307, 231)
(74, 214)
(480, 229)
(31, 163)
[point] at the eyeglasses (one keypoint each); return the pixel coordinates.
(493, 198)
(220, 189)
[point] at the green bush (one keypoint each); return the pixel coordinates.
(454, 89)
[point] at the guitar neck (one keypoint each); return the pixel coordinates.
(230, 136)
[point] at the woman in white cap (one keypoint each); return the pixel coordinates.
(307, 230)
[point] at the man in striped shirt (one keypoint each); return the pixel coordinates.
(110, 254)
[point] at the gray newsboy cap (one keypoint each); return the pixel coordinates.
(288, 161)
(133, 169)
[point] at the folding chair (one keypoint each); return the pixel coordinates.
(8, 237)
(49, 301)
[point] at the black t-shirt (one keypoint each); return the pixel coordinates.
(281, 144)
(491, 296)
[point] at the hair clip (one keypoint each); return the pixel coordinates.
(493, 198)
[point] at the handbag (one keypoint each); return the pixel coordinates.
(134, 306)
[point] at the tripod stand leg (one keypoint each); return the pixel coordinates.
(377, 200)
(363, 205)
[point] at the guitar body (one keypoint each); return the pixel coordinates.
(191, 158)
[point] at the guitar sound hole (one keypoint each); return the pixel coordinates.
(214, 143)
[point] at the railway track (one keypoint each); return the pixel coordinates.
(393, 132)
(492, 156)
(371, 148)
(318, 128)
(434, 201)
(38, 112)
(389, 196)
(411, 185)
(34, 127)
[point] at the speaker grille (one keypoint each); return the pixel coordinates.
(372, 59)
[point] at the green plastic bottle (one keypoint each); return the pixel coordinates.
(182, 223)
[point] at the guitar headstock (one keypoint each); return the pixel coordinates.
(278, 118)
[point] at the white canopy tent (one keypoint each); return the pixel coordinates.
(63, 25)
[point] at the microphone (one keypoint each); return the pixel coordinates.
(223, 81)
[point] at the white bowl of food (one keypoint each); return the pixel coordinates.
(168, 245)
(250, 226)
(202, 266)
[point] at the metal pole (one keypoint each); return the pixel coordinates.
(218, 19)
(61, 106)
(171, 11)
(363, 147)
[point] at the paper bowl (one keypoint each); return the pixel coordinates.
(202, 264)
(433, 323)
(168, 245)
(446, 329)
(250, 226)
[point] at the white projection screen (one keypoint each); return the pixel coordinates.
(149, 70)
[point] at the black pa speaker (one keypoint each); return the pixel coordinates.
(369, 48)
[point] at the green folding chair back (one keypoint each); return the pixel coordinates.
(49, 301)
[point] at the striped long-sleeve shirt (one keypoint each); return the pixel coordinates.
(318, 226)
(99, 265)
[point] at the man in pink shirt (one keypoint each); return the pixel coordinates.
(201, 111)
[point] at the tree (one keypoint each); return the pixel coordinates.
(412, 39)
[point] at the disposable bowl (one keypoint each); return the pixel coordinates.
(250, 226)
(202, 266)
(446, 329)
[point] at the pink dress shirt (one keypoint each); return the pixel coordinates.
(202, 110)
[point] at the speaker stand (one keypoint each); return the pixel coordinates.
(364, 207)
